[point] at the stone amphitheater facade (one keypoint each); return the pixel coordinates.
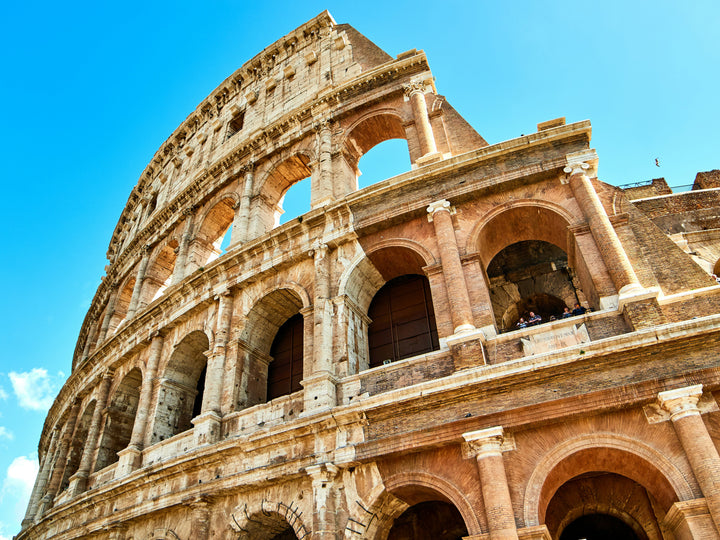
(359, 372)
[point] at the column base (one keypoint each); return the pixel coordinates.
(320, 393)
(427, 159)
(208, 428)
(78, 483)
(691, 519)
(640, 307)
(130, 459)
(467, 349)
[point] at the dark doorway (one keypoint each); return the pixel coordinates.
(286, 369)
(403, 320)
(430, 520)
(598, 527)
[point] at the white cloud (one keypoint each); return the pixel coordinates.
(3, 395)
(17, 487)
(35, 389)
(6, 434)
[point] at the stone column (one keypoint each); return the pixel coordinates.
(60, 461)
(41, 481)
(130, 457)
(108, 316)
(137, 289)
(618, 264)
(325, 501)
(241, 222)
(200, 519)
(460, 310)
(415, 92)
(184, 247)
(88, 340)
(320, 391)
(682, 404)
(486, 446)
(207, 425)
(78, 481)
(322, 191)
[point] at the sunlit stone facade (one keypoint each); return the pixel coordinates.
(362, 371)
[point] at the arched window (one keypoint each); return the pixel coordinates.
(438, 520)
(119, 420)
(598, 527)
(403, 320)
(181, 388)
(286, 369)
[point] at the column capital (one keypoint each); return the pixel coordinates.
(416, 87)
(485, 442)
(318, 251)
(576, 168)
(681, 402)
(324, 472)
(248, 167)
(438, 206)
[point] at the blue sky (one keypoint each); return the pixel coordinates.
(91, 89)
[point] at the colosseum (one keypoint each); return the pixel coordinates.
(494, 344)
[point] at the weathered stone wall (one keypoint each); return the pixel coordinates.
(164, 430)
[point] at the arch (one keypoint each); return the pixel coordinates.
(79, 439)
(370, 130)
(214, 225)
(371, 269)
(159, 272)
(267, 520)
(402, 320)
(603, 498)
(122, 304)
(270, 311)
(282, 173)
(515, 221)
(622, 455)
(418, 486)
(120, 418)
(285, 371)
(181, 387)
(530, 276)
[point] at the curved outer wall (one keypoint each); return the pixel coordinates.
(164, 429)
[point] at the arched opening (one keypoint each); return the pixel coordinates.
(530, 276)
(385, 160)
(79, 440)
(274, 331)
(267, 204)
(598, 527)
(122, 304)
(631, 485)
(530, 265)
(119, 420)
(208, 241)
(403, 320)
(294, 202)
(601, 505)
(286, 368)
(269, 525)
(181, 387)
(159, 273)
(429, 520)
(367, 134)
